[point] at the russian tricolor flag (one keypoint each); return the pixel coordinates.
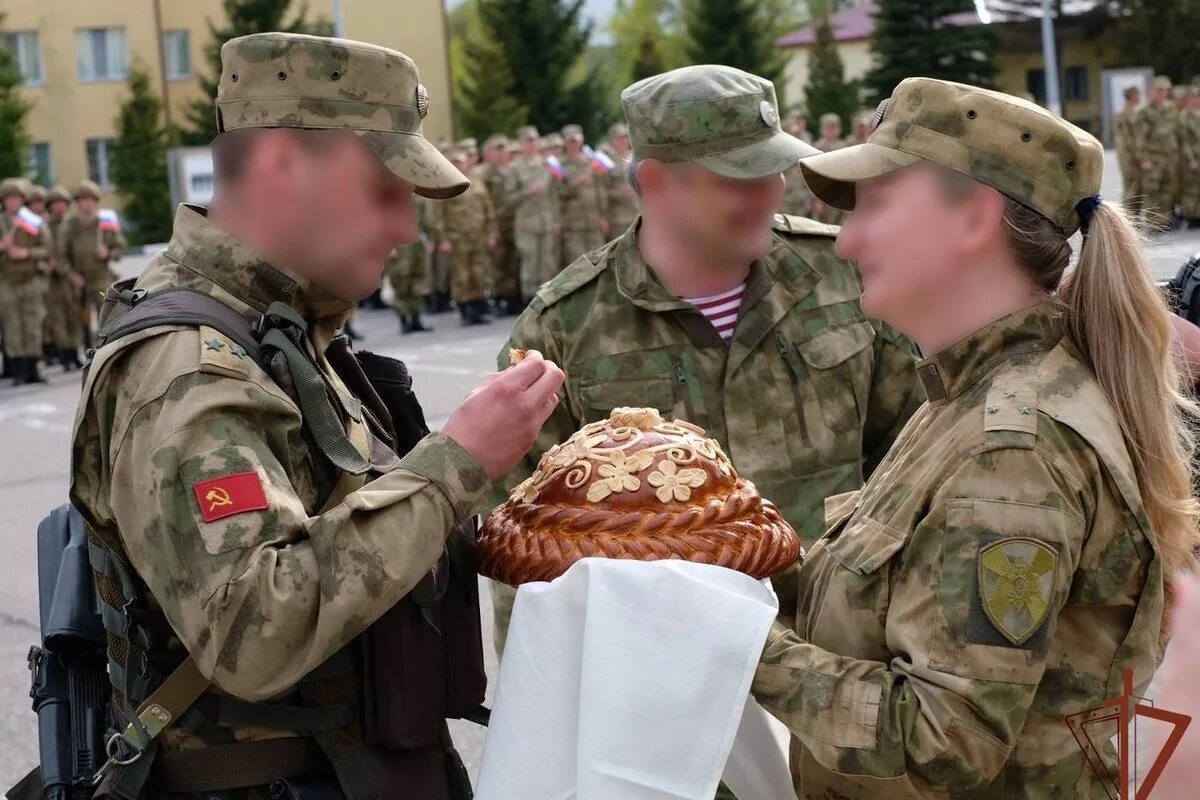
(601, 162)
(28, 221)
(555, 166)
(109, 221)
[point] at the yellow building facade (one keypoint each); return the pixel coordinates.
(76, 57)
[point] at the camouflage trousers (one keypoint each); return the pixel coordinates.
(470, 266)
(63, 328)
(22, 309)
(1160, 189)
(439, 272)
(408, 274)
(506, 268)
(539, 259)
(577, 241)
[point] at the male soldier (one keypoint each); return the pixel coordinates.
(470, 149)
(831, 139)
(720, 312)
(584, 210)
(533, 192)
(63, 328)
(266, 526)
(622, 200)
(1157, 145)
(861, 127)
(24, 248)
(553, 145)
(1125, 135)
(35, 200)
(797, 199)
(1189, 139)
(407, 270)
(90, 248)
(465, 227)
(506, 267)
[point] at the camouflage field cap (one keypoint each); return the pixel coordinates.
(1161, 82)
(86, 189)
(495, 140)
(618, 130)
(573, 132)
(1010, 144)
(11, 187)
(526, 132)
(830, 119)
(721, 118)
(57, 193)
(35, 193)
(290, 80)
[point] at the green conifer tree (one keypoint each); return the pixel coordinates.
(139, 164)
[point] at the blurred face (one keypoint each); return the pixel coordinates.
(799, 125)
(335, 213)
(529, 147)
(13, 204)
(831, 131)
(621, 142)
(729, 220)
(59, 208)
(913, 242)
(86, 206)
(37, 206)
(573, 147)
(1134, 99)
(1161, 95)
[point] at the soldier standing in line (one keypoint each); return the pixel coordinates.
(1128, 159)
(1189, 139)
(466, 232)
(1157, 145)
(505, 281)
(90, 249)
(622, 199)
(584, 211)
(831, 139)
(533, 191)
(407, 270)
(24, 248)
(797, 199)
(63, 328)
(35, 200)
(860, 127)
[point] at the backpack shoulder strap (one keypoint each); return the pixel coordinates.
(176, 307)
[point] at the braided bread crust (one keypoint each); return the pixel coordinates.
(523, 542)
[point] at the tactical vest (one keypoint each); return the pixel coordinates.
(375, 711)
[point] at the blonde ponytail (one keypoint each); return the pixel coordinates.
(1119, 322)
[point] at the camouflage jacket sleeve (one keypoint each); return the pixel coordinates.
(490, 223)
(895, 393)
(261, 597)
(946, 708)
(115, 242)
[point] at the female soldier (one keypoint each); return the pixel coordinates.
(1007, 560)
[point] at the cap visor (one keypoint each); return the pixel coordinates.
(772, 156)
(831, 176)
(413, 159)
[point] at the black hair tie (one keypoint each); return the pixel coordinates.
(1086, 207)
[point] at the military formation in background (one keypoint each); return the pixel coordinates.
(536, 204)
(1158, 150)
(55, 266)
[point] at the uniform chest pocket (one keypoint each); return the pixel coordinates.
(830, 371)
(599, 398)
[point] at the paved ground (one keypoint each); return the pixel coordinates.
(35, 427)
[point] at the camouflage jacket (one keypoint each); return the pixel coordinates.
(622, 201)
(539, 212)
(1125, 135)
(805, 399)
(259, 593)
(466, 219)
(493, 179)
(1157, 132)
(55, 228)
(582, 206)
(21, 271)
(994, 576)
(1189, 137)
(80, 238)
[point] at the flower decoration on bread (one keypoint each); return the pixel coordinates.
(634, 486)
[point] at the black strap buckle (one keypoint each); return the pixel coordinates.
(281, 316)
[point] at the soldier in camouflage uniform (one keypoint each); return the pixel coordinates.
(998, 571)
(584, 203)
(797, 199)
(533, 193)
(407, 270)
(258, 558)
(831, 139)
(35, 200)
(621, 200)
(89, 249)
(63, 327)
(807, 394)
(796, 123)
(506, 266)
(465, 227)
(1157, 145)
(1189, 140)
(1125, 136)
(24, 250)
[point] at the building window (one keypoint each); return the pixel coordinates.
(27, 52)
(1075, 84)
(38, 168)
(178, 54)
(99, 155)
(102, 54)
(1035, 82)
